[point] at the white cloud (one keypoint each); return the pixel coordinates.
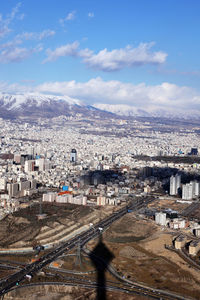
(114, 60)
(35, 36)
(10, 44)
(5, 22)
(14, 12)
(4, 30)
(66, 50)
(70, 16)
(91, 15)
(11, 52)
(17, 54)
(118, 59)
(85, 53)
(46, 33)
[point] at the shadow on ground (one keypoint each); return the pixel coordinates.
(101, 257)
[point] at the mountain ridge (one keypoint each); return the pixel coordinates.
(35, 105)
(132, 111)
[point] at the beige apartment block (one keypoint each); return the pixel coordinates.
(194, 247)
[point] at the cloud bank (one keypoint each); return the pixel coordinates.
(96, 90)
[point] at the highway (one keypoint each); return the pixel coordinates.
(82, 239)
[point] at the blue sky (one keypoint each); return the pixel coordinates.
(133, 52)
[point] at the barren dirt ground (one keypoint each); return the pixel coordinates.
(23, 229)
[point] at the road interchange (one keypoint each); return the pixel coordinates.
(7, 284)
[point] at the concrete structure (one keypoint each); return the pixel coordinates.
(161, 218)
(177, 223)
(24, 185)
(197, 231)
(101, 200)
(180, 242)
(3, 182)
(175, 184)
(190, 190)
(197, 189)
(49, 197)
(29, 166)
(13, 189)
(73, 155)
(194, 247)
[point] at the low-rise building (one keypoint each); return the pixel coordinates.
(194, 247)
(180, 242)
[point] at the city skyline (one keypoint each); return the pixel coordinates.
(135, 53)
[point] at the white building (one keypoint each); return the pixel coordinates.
(3, 183)
(175, 184)
(161, 218)
(190, 190)
(101, 200)
(29, 166)
(196, 189)
(73, 155)
(49, 197)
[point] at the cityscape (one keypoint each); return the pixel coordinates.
(99, 150)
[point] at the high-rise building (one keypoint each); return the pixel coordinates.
(194, 151)
(196, 189)
(30, 151)
(175, 184)
(190, 190)
(187, 191)
(29, 166)
(73, 155)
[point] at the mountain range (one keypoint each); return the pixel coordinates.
(132, 111)
(34, 105)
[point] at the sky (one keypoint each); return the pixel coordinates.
(142, 53)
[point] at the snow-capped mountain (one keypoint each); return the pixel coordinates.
(18, 100)
(131, 111)
(44, 106)
(34, 105)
